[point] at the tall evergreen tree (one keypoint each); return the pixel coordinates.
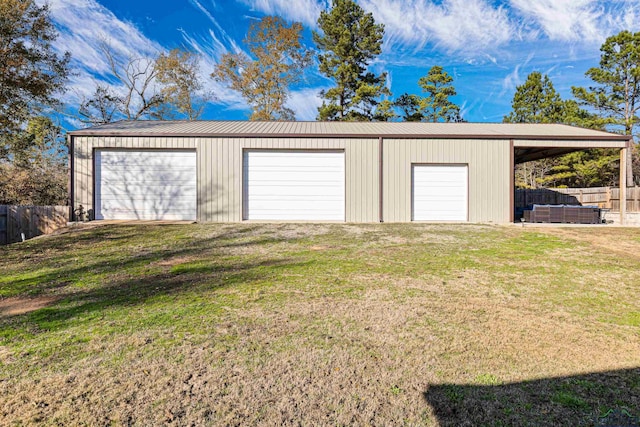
(616, 93)
(349, 40)
(436, 106)
(385, 111)
(536, 101)
(409, 104)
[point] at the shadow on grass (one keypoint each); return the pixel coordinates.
(72, 263)
(598, 399)
(131, 277)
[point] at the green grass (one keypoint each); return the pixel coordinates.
(335, 324)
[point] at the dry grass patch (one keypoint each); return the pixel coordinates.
(322, 325)
(14, 306)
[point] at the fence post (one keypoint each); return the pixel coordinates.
(623, 184)
(3, 225)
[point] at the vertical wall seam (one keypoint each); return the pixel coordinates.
(380, 179)
(512, 186)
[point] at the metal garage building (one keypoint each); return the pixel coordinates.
(230, 171)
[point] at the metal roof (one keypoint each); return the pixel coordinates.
(207, 128)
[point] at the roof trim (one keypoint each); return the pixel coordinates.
(605, 137)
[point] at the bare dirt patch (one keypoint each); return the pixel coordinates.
(170, 262)
(17, 305)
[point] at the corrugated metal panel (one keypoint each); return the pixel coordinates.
(220, 166)
(568, 144)
(489, 179)
(338, 129)
(220, 171)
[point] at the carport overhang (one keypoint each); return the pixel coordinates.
(525, 150)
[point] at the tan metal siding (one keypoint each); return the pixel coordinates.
(220, 166)
(220, 172)
(569, 144)
(83, 159)
(488, 162)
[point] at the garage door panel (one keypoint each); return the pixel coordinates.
(293, 157)
(148, 180)
(297, 192)
(301, 176)
(299, 214)
(118, 190)
(437, 193)
(147, 172)
(294, 185)
(329, 206)
(440, 192)
(146, 184)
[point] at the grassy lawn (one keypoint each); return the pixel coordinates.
(280, 324)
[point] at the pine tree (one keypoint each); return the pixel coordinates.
(409, 104)
(616, 93)
(349, 40)
(436, 106)
(536, 101)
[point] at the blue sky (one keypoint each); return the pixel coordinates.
(489, 47)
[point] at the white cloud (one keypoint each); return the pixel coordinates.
(579, 20)
(455, 25)
(210, 51)
(305, 103)
(305, 11)
(513, 79)
(622, 15)
(84, 26)
(567, 20)
(227, 42)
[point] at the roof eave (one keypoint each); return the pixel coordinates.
(604, 137)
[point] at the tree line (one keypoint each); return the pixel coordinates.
(168, 86)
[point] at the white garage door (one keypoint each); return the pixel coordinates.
(440, 193)
(150, 185)
(294, 185)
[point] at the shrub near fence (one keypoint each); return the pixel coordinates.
(31, 221)
(603, 197)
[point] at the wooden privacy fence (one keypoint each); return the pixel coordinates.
(31, 221)
(603, 197)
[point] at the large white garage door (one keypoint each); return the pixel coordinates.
(150, 185)
(294, 185)
(440, 192)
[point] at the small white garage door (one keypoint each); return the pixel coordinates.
(146, 185)
(440, 192)
(294, 185)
